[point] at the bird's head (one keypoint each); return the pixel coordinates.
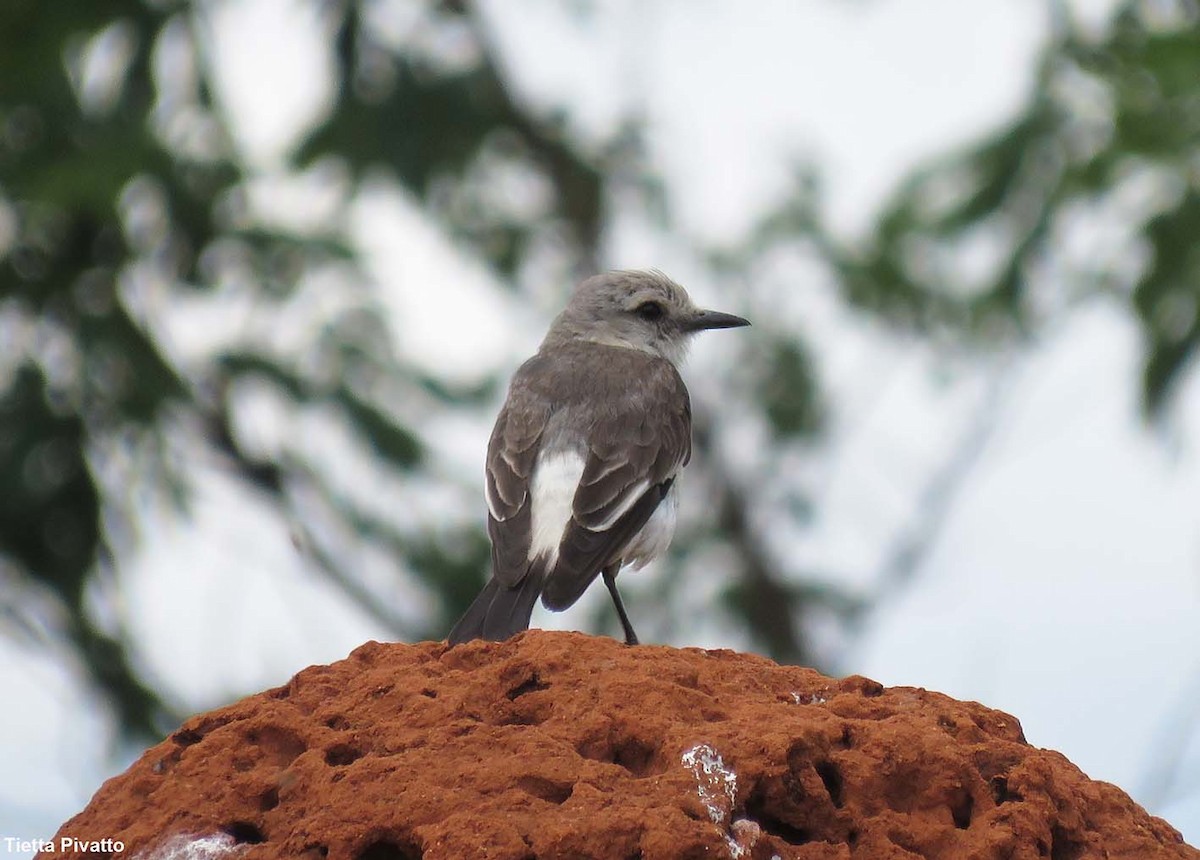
(643, 310)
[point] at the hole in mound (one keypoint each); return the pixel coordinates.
(846, 741)
(532, 684)
(243, 832)
(278, 745)
(638, 756)
(757, 811)
(1063, 846)
(634, 754)
(314, 851)
(269, 799)
(1001, 793)
(341, 755)
(962, 807)
(338, 723)
(831, 777)
(187, 737)
(386, 849)
(549, 790)
(429, 694)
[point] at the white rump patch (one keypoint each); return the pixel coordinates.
(655, 536)
(555, 479)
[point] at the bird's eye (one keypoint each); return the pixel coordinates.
(650, 311)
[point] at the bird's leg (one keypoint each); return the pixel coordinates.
(610, 581)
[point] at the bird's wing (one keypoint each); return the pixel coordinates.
(641, 440)
(512, 453)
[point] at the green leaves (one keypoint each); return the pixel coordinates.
(1099, 113)
(49, 509)
(789, 391)
(391, 441)
(1167, 298)
(436, 128)
(50, 527)
(95, 197)
(97, 202)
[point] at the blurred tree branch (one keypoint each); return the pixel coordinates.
(117, 178)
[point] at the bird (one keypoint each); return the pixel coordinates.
(582, 462)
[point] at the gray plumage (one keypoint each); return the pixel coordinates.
(582, 461)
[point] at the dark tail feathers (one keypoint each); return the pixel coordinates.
(498, 612)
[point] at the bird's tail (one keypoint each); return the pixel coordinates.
(498, 612)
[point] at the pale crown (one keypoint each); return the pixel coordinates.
(639, 310)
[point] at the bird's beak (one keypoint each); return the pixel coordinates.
(704, 320)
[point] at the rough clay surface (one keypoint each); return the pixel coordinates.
(569, 746)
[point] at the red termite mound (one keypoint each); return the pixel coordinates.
(570, 746)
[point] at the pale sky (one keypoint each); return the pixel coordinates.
(1065, 586)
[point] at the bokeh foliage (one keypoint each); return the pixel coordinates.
(118, 177)
(1106, 116)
